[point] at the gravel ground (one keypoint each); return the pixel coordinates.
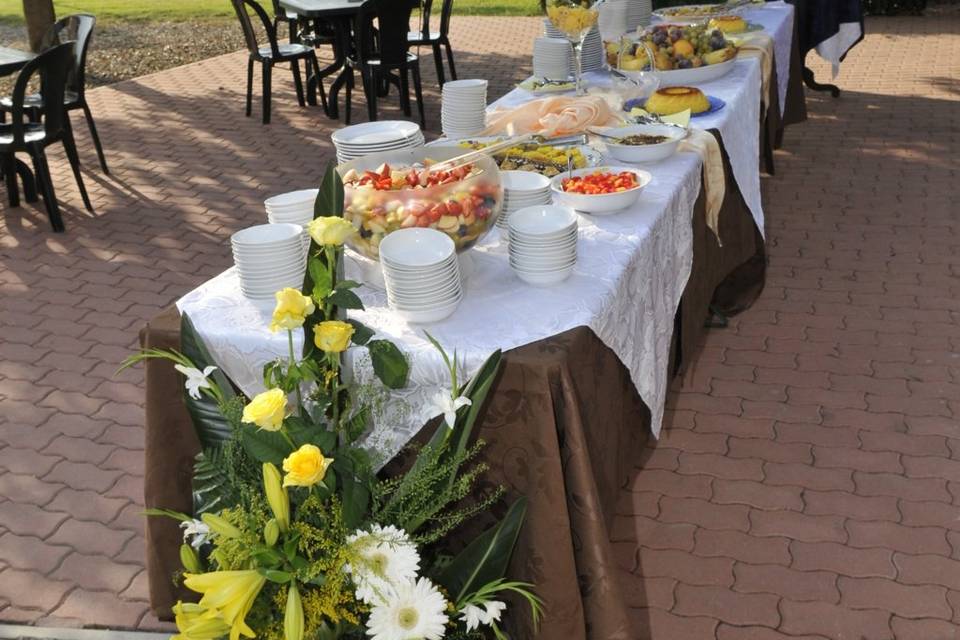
(122, 50)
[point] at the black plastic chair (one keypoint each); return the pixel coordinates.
(379, 51)
(77, 29)
(434, 39)
(274, 53)
(53, 66)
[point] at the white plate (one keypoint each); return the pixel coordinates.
(515, 182)
(604, 203)
(377, 132)
(685, 77)
(417, 247)
(266, 234)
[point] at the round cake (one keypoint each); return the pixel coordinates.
(676, 99)
(729, 24)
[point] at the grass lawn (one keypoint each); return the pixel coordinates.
(12, 10)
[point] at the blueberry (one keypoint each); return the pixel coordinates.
(365, 233)
(462, 231)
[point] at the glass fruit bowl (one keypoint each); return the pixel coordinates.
(394, 190)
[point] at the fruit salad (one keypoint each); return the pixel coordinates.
(600, 182)
(462, 202)
(543, 159)
(570, 17)
(673, 47)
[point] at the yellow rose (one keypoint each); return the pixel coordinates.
(292, 309)
(332, 336)
(330, 230)
(267, 410)
(305, 467)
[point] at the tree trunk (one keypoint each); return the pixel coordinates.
(39, 16)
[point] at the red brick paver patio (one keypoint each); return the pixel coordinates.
(808, 483)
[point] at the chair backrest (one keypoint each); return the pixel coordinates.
(76, 29)
(426, 8)
(446, 10)
(393, 25)
(54, 66)
(243, 9)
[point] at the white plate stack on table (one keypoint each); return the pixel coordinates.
(543, 244)
(521, 189)
(463, 108)
(373, 137)
(269, 257)
(639, 13)
(591, 55)
(552, 58)
(421, 274)
(295, 207)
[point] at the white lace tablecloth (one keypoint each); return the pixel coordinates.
(777, 20)
(631, 271)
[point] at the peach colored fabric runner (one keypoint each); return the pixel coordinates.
(555, 116)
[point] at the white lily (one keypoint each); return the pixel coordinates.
(493, 610)
(446, 405)
(195, 532)
(473, 616)
(196, 379)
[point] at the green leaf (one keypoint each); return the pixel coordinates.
(303, 432)
(265, 446)
(322, 279)
(208, 420)
(345, 299)
(347, 284)
(329, 200)
(211, 484)
(273, 575)
(361, 332)
(167, 513)
(354, 493)
(389, 363)
(486, 558)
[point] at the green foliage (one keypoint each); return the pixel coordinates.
(208, 417)
(484, 560)
(389, 363)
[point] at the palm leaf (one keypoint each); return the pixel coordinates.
(211, 425)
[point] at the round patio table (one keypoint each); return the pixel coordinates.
(11, 61)
(832, 27)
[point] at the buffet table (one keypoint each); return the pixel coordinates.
(599, 349)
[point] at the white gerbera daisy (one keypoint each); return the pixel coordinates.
(386, 558)
(412, 611)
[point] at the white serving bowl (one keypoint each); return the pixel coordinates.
(544, 279)
(646, 152)
(542, 222)
(517, 183)
(604, 203)
(292, 199)
(417, 248)
(262, 235)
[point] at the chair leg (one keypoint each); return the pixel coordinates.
(46, 187)
(418, 91)
(405, 90)
(316, 71)
(298, 81)
(453, 69)
(95, 136)
(371, 84)
(249, 87)
(70, 146)
(267, 87)
(438, 62)
(348, 97)
(10, 179)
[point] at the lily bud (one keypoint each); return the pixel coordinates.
(271, 531)
(293, 616)
(220, 526)
(277, 496)
(189, 559)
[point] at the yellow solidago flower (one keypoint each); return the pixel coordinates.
(330, 230)
(198, 623)
(305, 467)
(332, 336)
(292, 309)
(267, 410)
(230, 593)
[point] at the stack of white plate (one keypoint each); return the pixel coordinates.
(543, 244)
(421, 274)
(638, 13)
(463, 108)
(591, 56)
(552, 58)
(521, 189)
(612, 20)
(295, 207)
(373, 137)
(269, 257)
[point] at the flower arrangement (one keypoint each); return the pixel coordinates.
(294, 534)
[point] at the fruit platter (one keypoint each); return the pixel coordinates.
(545, 159)
(402, 189)
(682, 54)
